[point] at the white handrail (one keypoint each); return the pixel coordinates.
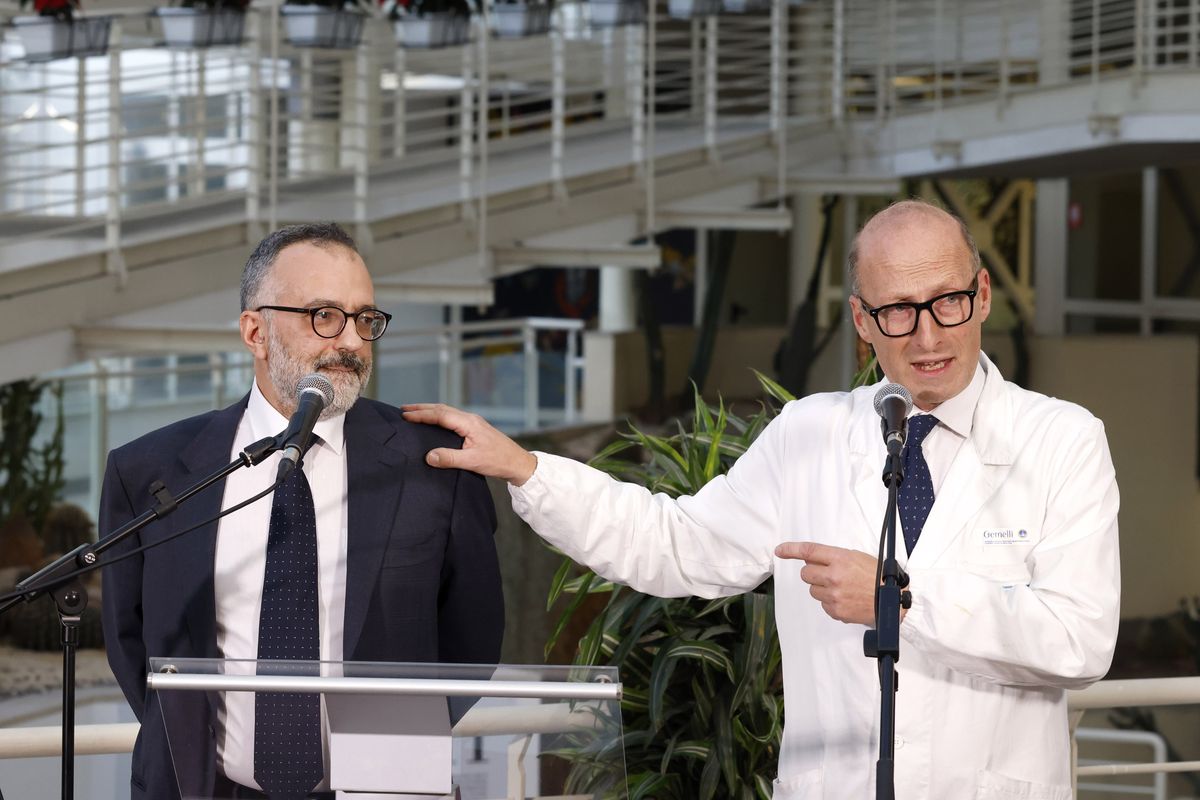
(44, 741)
(1158, 746)
(1141, 692)
(1135, 692)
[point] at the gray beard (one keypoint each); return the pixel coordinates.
(285, 371)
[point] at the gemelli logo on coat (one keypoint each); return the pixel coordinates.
(1005, 536)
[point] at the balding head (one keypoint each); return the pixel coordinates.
(905, 217)
(915, 264)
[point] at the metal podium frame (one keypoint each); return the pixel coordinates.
(377, 721)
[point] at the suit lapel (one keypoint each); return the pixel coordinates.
(375, 481)
(195, 552)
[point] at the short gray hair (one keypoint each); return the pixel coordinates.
(914, 205)
(258, 266)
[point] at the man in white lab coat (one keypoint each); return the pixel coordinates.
(1010, 540)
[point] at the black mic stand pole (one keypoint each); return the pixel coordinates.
(883, 643)
(61, 580)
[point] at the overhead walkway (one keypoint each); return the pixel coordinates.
(141, 179)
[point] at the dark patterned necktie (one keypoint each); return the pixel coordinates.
(287, 726)
(916, 493)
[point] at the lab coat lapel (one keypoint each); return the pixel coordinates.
(981, 466)
(867, 454)
(375, 481)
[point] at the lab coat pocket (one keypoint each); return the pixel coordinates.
(1010, 574)
(805, 786)
(994, 786)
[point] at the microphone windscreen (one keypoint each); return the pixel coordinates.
(316, 381)
(889, 390)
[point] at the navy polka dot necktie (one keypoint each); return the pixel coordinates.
(287, 726)
(916, 493)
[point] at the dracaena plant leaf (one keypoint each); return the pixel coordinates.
(702, 700)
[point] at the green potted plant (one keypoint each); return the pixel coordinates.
(516, 18)
(203, 23)
(702, 702)
(55, 31)
(334, 24)
(430, 23)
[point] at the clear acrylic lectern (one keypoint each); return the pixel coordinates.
(419, 730)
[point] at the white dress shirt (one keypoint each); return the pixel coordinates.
(241, 562)
(955, 417)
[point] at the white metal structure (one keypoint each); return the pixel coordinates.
(142, 177)
(523, 722)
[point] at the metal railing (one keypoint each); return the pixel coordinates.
(91, 146)
(1127, 693)
(1140, 739)
(524, 722)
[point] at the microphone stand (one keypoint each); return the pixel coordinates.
(61, 580)
(883, 642)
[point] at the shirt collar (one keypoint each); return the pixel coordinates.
(958, 413)
(266, 421)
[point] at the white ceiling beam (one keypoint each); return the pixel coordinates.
(866, 185)
(453, 294)
(636, 256)
(726, 220)
(157, 340)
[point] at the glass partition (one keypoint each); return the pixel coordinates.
(487, 731)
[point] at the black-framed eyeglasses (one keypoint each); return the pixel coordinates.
(901, 319)
(329, 321)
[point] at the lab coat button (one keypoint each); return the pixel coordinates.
(899, 742)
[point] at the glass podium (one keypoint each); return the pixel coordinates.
(406, 731)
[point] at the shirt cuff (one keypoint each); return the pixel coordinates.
(527, 495)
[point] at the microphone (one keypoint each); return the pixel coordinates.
(313, 393)
(892, 404)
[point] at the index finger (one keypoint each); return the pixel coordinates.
(811, 552)
(435, 414)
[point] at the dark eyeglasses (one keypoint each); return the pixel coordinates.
(901, 319)
(329, 321)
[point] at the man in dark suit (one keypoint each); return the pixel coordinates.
(400, 564)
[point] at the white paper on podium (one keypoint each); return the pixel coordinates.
(389, 744)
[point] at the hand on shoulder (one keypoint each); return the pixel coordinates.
(485, 450)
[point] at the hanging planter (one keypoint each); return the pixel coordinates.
(335, 28)
(436, 29)
(745, 6)
(687, 9)
(426, 24)
(515, 19)
(202, 24)
(48, 39)
(610, 13)
(57, 33)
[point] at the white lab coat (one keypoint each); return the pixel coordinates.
(1015, 584)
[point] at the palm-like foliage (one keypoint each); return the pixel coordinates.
(703, 692)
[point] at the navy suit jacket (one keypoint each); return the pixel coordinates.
(422, 578)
